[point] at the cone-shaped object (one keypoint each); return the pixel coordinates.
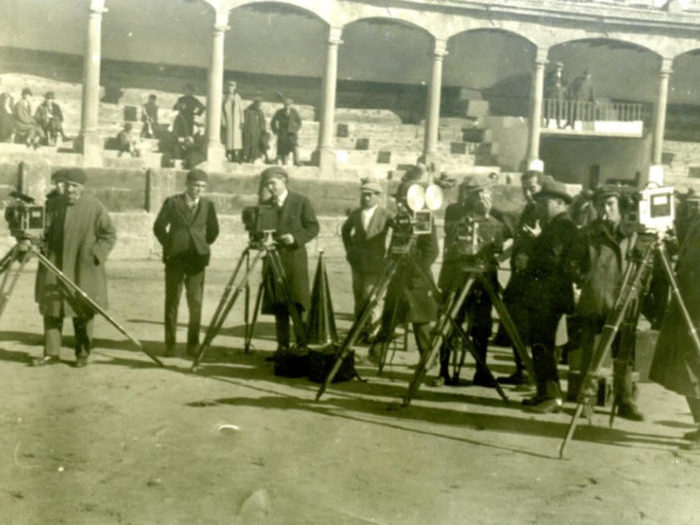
(321, 317)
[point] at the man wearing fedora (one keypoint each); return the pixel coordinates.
(552, 294)
(601, 254)
(296, 226)
(473, 238)
(286, 124)
(50, 118)
(365, 234)
(186, 226)
(79, 237)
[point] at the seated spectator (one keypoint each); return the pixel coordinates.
(26, 127)
(7, 122)
(194, 148)
(149, 117)
(50, 118)
(127, 143)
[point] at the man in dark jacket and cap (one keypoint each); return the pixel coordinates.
(552, 293)
(186, 226)
(79, 237)
(296, 226)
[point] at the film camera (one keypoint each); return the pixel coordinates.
(414, 214)
(25, 219)
(260, 221)
(652, 209)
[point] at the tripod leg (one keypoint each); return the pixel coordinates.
(9, 281)
(378, 291)
(250, 329)
(246, 310)
(217, 323)
(281, 280)
(86, 298)
(388, 337)
(610, 330)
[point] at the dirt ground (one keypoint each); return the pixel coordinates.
(123, 441)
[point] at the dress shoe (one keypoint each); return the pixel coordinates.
(547, 406)
(45, 360)
(81, 361)
(629, 411)
(692, 436)
(517, 378)
(531, 401)
(483, 380)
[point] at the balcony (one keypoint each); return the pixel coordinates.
(614, 119)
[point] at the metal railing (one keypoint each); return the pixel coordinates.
(569, 111)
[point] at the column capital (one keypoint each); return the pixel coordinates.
(666, 66)
(440, 48)
(221, 20)
(541, 55)
(97, 7)
(335, 34)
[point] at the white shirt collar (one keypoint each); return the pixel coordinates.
(282, 198)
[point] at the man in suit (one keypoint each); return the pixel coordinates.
(79, 237)
(364, 236)
(552, 293)
(296, 226)
(286, 123)
(188, 107)
(50, 118)
(25, 124)
(186, 226)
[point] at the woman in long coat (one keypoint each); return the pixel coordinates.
(676, 363)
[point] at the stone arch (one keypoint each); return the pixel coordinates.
(322, 11)
(400, 21)
(610, 41)
(495, 30)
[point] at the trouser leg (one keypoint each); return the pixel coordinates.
(282, 326)
(194, 288)
(421, 332)
(173, 290)
(694, 405)
(83, 328)
(544, 360)
(53, 327)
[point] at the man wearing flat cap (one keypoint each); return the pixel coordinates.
(296, 226)
(286, 124)
(552, 293)
(79, 237)
(473, 238)
(185, 227)
(602, 252)
(364, 236)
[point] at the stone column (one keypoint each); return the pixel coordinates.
(89, 141)
(432, 121)
(325, 154)
(660, 117)
(536, 98)
(215, 149)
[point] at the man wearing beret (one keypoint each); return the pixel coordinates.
(79, 237)
(185, 227)
(364, 236)
(473, 238)
(601, 254)
(296, 225)
(552, 292)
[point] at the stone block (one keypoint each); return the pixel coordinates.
(384, 157)
(342, 130)
(362, 144)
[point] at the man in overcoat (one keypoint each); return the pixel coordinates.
(286, 124)
(409, 294)
(552, 293)
(676, 362)
(365, 234)
(187, 107)
(50, 118)
(601, 254)
(232, 123)
(78, 240)
(473, 238)
(296, 226)
(185, 227)
(255, 136)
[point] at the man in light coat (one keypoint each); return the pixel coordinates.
(232, 123)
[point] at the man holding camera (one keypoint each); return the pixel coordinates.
(364, 236)
(601, 254)
(551, 291)
(472, 239)
(79, 237)
(186, 226)
(296, 226)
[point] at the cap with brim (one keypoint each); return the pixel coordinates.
(275, 172)
(553, 188)
(472, 184)
(58, 176)
(74, 175)
(370, 186)
(197, 175)
(606, 191)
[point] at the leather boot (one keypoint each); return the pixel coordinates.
(625, 391)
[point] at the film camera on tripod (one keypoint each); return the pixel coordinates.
(25, 219)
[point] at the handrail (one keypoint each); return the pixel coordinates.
(569, 111)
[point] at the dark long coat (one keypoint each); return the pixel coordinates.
(408, 291)
(676, 363)
(366, 250)
(79, 239)
(298, 218)
(254, 134)
(184, 234)
(286, 126)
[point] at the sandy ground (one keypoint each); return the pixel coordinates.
(123, 441)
